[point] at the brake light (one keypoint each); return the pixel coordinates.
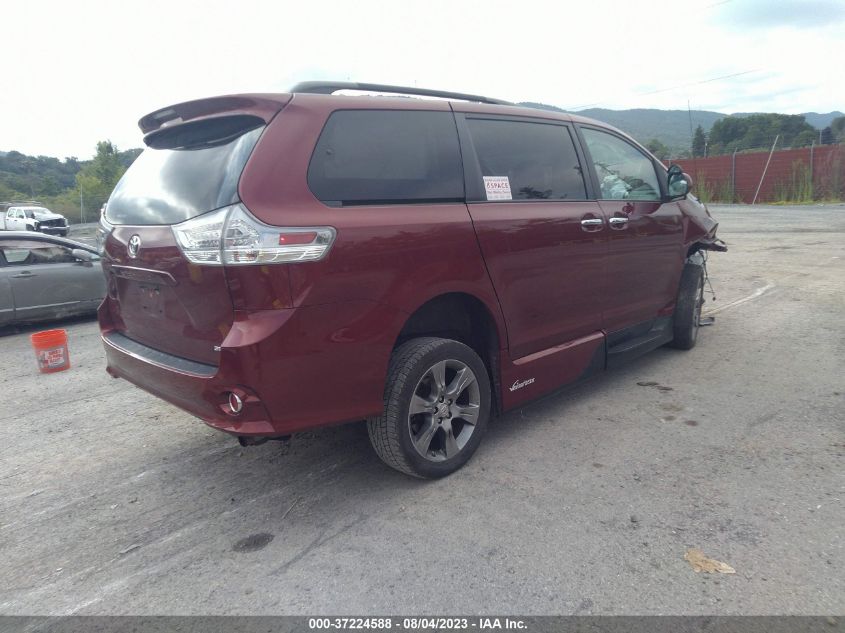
(232, 236)
(290, 239)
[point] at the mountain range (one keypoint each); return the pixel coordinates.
(670, 127)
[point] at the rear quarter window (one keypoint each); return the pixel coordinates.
(387, 156)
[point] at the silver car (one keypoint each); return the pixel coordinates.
(44, 277)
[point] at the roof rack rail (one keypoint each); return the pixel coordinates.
(330, 87)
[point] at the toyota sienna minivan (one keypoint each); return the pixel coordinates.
(279, 262)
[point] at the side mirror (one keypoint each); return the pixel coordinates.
(83, 255)
(679, 183)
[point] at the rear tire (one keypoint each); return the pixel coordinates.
(436, 408)
(688, 307)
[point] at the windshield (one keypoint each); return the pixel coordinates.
(168, 186)
(39, 213)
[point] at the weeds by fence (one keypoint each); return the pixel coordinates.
(799, 188)
(713, 190)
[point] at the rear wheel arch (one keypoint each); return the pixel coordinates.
(465, 318)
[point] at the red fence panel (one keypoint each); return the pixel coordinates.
(802, 174)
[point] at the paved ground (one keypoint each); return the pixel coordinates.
(112, 502)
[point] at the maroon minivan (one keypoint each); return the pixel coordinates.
(278, 262)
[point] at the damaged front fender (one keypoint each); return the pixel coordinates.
(699, 227)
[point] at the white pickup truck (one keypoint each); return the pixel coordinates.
(31, 217)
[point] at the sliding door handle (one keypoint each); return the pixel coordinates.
(592, 222)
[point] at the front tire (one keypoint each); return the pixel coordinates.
(688, 307)
(436, 407)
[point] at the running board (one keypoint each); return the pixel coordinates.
(659, 334)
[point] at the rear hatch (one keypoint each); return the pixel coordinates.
(157, 296)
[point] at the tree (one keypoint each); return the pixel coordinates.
(827, 137)
(106, 164)
(758, 131)
(699, 142)
(658, 149)
(837, 128)
(96, 179)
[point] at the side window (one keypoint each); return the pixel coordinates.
(387, 156)
(522, 160)
(623, 171)
(23, 255)
(16, 255)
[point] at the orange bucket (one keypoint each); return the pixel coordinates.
(51, 350)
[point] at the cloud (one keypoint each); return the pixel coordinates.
(95, 72)
(765, 14)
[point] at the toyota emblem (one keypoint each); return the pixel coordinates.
(133, 246)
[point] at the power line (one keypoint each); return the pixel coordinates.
(694, 83)
(705, 81)
(715, 4)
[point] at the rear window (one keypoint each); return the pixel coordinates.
(173, 181)
(387, 156)
(522, 160)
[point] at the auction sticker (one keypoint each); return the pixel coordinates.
(497, 188)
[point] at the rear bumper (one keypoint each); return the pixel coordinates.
(199, 389)
(294, 369)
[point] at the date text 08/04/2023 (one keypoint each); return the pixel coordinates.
(417, 623)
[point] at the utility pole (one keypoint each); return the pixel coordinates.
(812, 161)
(765, 169)
(733, 176)
(81, 208)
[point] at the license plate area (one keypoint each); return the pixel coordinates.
(150, 300)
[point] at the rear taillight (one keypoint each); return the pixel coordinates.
(101, 233)
(232, 236)
(199, 238)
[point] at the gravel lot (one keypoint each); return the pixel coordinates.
(113, 502)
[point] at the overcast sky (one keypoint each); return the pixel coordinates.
(82, 71)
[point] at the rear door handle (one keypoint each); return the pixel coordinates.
(23, 274)
(618, 223)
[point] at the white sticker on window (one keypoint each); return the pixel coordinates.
(497, 188)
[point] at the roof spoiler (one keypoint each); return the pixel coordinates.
(262, 106)
(330, 87)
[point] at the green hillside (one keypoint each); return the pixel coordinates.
(670, 127)
(72, 187)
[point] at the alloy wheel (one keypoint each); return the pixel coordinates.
(444, 410)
